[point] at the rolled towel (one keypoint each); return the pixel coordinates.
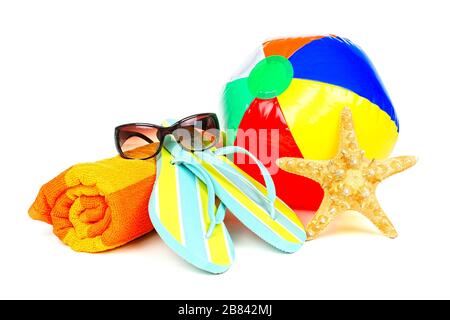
(98, 206)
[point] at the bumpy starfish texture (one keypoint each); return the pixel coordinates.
(349, 181)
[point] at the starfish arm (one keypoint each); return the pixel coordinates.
(321, 219)
(312, 169)
(373, 211)
(389, 167)
(347, 132)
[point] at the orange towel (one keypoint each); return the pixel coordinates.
(98, 206)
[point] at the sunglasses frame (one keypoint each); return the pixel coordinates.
(162, 133)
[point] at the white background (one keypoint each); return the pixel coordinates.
(72, 70)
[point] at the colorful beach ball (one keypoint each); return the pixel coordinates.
(298, 87)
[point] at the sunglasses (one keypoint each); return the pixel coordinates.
(144, 140)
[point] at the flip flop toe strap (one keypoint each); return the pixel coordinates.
(270, 197)
(215, 216)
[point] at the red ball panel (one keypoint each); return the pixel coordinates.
(256, 134)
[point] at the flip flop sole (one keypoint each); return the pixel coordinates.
(178, 210)
(286, 232)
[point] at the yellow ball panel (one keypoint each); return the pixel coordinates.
(312, 111)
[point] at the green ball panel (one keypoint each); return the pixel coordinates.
(236, 99)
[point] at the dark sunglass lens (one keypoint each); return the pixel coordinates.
(198, 133)
(138, 142)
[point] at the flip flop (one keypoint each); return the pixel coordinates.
(183, 212)
(256, 206)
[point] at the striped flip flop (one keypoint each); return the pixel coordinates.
(256, 206)
(183, 212)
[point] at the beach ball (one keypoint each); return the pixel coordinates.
(287, 100)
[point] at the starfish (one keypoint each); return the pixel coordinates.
(349, 181)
